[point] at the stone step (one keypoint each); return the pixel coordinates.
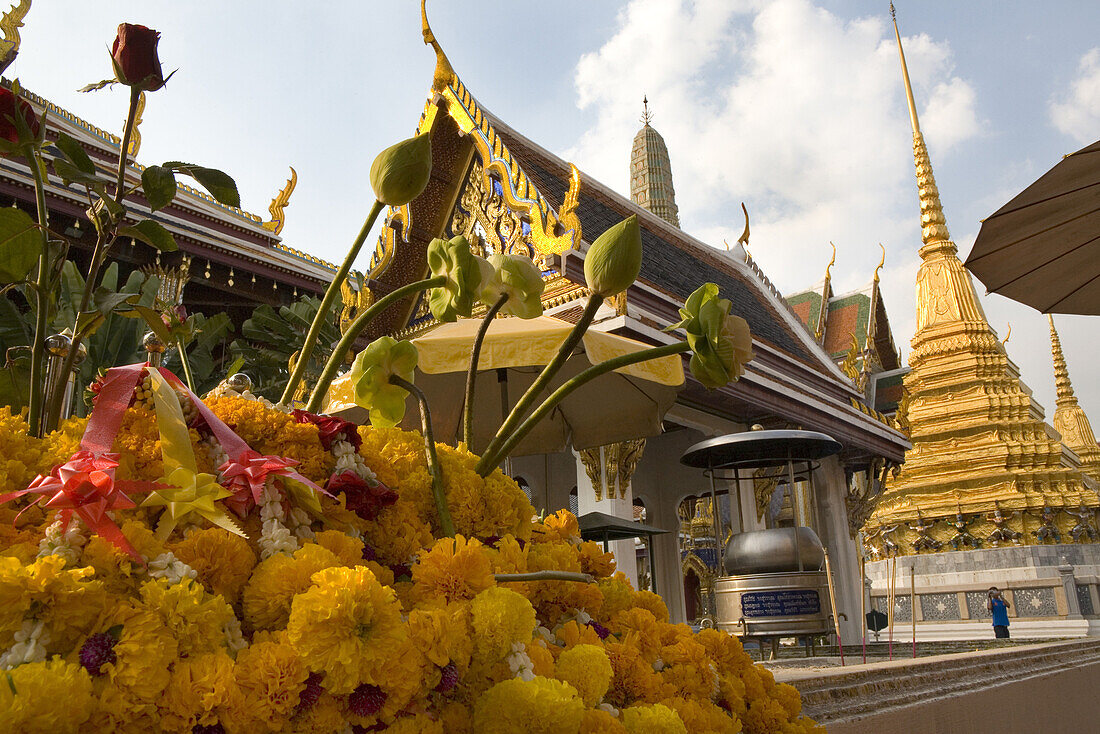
(839, 694)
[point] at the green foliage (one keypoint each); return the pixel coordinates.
(269, 338)
(159, 186)
(20, 244)
(220, 184)
(151, 233)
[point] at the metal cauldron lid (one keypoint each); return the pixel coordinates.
(760, 449)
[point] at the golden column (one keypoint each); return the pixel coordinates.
(1069, 419)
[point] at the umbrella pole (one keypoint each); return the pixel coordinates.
(502, 380)
(471, 373)
(863, 605)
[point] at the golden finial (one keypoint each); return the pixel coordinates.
(829, 267)
(933, 222)
(135, 135)
(848, 366)
(744, 238)
(1061, 372)
(1008, 335)
(568, 214)
(647, 116)
(281, 200)
(444, 73)
(10, 24)
(880, 262)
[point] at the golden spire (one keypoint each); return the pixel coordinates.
(1066, 398)
(10, 24)
(647, 116)
(278, 219)
(880, 262)
(444, 73)
(1069, 418)
(933, 223)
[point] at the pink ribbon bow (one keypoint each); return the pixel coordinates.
(246, 475)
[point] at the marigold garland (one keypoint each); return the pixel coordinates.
(372, 623)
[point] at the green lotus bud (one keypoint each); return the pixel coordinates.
(400, 172)
(370, 377)
(614, 259)
(454, 261)
(521, 280)
(720, 343)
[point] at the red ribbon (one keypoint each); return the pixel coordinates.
(246, 475)
(85, 485)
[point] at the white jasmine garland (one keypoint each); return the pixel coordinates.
(234, 639)
(609, 709)
(275, 536)
(520, 664)
(65, 542)
(30, 645)
(167, 566)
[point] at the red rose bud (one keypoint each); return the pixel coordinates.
(330, 428)
(309, 696)
(134, 55)
(364, 499)
(8, 127)
(366, 700)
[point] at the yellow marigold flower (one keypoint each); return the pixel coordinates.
(199, 688)
(273, 432)
(724, 650)
(455, 569)
(688, 672)
(634, 679)
(269, 681)
(138, 445)
(572, 633)
(764, 716)
(731, 692)
(654, 603)
(617, 595)
(58, 446)
(586, 668)
(141, 537)
(555, 599)
(595, 560)
(416, 724)
(324, 717)
(144, 653)
(348, 626)
(639, 626)
(195, 619)
(442, 635)
(347, 549)
(120, 711)
(598, 721)
(223, 560)
(702, 715)
(51, 697)
(539, 706)
(457, 718)
(789, 699)
(655, 719)
(542, 659)
(508, 556)
(398, 533)
(22, 458)
(65, 600)
(275, 582)
(115, 568)
(402, 451)
(561, 526)
(501, 617)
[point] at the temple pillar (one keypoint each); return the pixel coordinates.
(596, 494)
(830, 489)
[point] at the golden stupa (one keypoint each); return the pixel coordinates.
(984, 470)
(1069, 419)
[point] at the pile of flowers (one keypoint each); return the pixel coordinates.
(312, 593)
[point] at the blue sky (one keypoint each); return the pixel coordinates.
(795, 107)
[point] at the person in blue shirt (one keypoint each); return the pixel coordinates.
(998, 607)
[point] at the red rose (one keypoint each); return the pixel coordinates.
(365, 500)
(330, 428)
(134, 54)
(8, 104)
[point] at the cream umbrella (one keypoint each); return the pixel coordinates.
(625, 404)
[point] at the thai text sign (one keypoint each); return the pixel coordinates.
(783, 603)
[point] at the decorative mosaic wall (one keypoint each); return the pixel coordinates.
(1084, 600)
(975, 605)
(939, 607)
(902, 607)
(1035, 602)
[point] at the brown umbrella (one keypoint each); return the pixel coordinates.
(1043, 247)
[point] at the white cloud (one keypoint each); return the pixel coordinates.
(1077, 112)
(783, 105)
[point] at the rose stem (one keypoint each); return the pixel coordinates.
(355, 329)
(103, 245)
(489, 461)
(326, 303)
(471, 373)
(186, 365)
(445, 523)
(584, 578)
(42, 301)
(548, 372)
